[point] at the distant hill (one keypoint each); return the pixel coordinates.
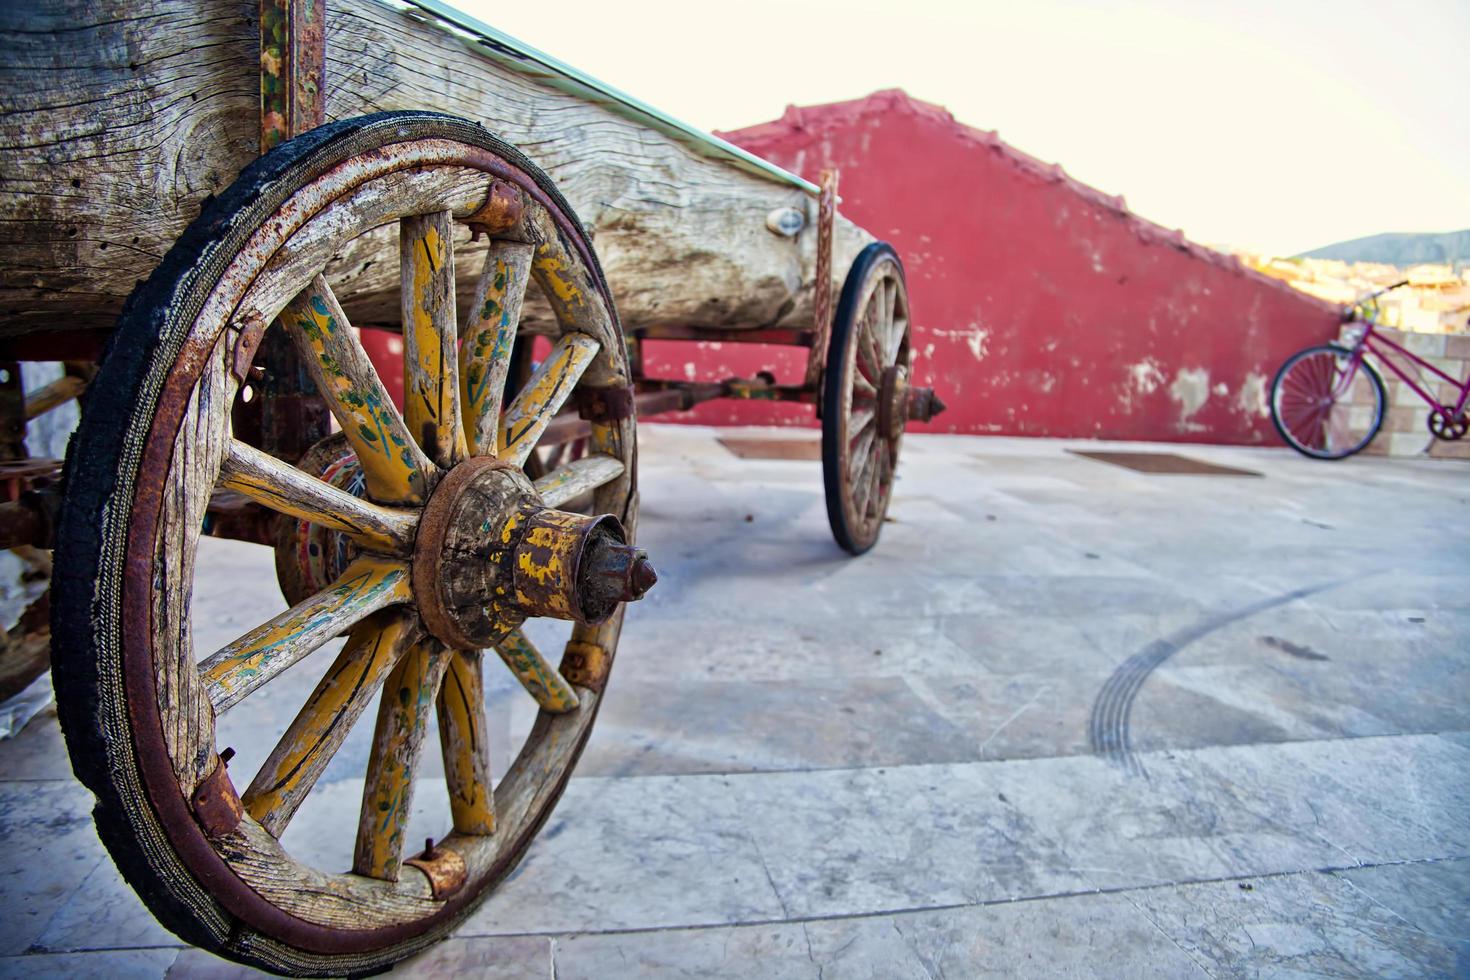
(1400, 248)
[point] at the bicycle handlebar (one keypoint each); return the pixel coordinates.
(1386, 289)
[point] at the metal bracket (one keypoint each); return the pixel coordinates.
(216, 804)
(606, 404)
(444, 868)
(502, 212)
(585, 665)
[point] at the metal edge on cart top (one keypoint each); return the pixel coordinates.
(537, 64)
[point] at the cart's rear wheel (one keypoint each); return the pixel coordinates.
(865, 396)
(431, 544)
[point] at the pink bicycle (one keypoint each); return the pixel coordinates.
(1328, 401)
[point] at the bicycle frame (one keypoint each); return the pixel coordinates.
(1372, 342)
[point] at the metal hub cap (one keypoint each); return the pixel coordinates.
(488, 555)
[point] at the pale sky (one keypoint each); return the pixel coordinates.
(1276, 127)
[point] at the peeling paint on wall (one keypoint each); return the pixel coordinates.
(1143, 379)
(1251, 399)
(1191, 389)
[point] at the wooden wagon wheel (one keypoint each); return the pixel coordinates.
(865, 396)
(451, 548)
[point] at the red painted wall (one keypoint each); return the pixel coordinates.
(1041, 306)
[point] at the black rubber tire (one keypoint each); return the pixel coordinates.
(842, 338)
(100, 479)
(1368, 369)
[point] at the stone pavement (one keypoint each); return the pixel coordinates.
(1066, 719)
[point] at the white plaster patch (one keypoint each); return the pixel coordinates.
(1143, 378)
(1220, 390)
(1251, 399)
(1191, 389)
(974, 336)
(690, 370)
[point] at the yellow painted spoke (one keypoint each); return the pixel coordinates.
(462, 739)
(537, 676)
(284, 489)
(396, 469)
(387, 795)
(372, 650)
(550, 386)
(368, 584)
(577, 477)
(430, 337)
(489, 335)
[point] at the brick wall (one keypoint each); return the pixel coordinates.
(1405, 429)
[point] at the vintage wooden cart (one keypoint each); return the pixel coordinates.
(177, 209)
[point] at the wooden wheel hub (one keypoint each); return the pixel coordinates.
(488, 555)
(893, 402)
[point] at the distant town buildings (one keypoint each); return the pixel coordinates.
(1437, 299)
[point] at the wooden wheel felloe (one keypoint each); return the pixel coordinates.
(867, 397)
(423, 542)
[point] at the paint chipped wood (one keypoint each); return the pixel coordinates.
(430, 336)
(396, 468)
(578, 477)
(284, 489)
(551, 384)
(465, 745)
(403, 716)
(369, 584)
(489, 336)
(373, 649)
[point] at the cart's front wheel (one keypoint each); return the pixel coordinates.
(417, 536)
(867, 397)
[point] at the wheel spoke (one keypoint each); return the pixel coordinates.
(462, 740)
(545, 393)
(430, 336)
(366, 586)
(489, 336)
(284, 489)
(578, 477)
(387, 794)
(861, 450)
(538, 677)
(396, 469)
(859, 421)
(283, 782)
(869, 357)
(866, 482)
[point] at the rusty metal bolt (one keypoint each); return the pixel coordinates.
(924, 404)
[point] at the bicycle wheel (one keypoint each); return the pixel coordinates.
(1319, 411)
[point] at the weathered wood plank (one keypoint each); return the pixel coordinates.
(95, 94)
